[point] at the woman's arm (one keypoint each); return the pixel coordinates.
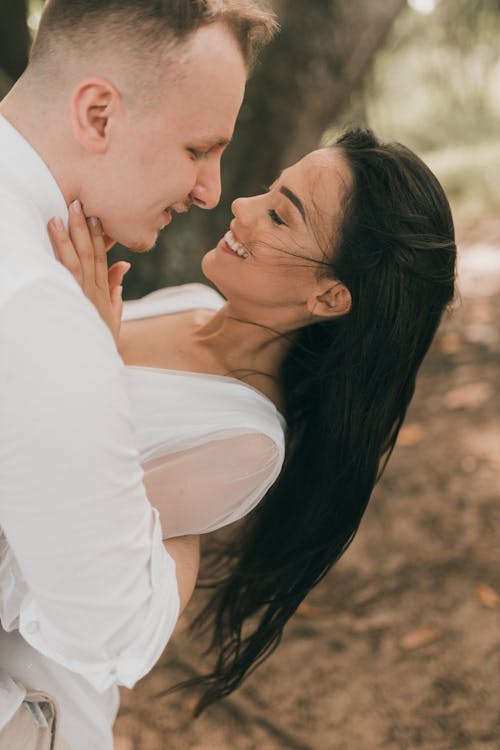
(185, 551)
(213, 484)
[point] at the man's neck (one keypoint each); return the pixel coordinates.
(41, 127)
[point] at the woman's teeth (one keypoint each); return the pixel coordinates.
(234, 245)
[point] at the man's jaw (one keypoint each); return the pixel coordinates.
(141, 246)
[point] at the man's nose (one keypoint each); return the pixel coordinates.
(206, 192)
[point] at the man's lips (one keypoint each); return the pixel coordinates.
(178, 208)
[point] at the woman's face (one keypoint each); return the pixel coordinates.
(275, 252)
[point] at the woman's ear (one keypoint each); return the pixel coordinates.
(331, 300)
(94, 103)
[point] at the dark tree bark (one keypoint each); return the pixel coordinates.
(300, 87)
(305, 80)
(14, 41)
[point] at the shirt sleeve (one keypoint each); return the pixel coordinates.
(101, 593)
(213, 484)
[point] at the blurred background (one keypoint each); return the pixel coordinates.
(399, 648)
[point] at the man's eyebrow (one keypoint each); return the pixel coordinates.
(295, 200)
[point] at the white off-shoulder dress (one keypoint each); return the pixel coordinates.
(210, 446)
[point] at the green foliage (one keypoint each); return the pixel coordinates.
(435, 88)
(470, 175)
(435, 82)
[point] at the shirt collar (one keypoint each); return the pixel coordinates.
(20, 163)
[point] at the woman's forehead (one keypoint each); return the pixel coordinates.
(322, 179)
(322, 171)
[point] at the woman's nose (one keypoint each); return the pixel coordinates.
(242, 209)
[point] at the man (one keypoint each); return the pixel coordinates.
(126, 107)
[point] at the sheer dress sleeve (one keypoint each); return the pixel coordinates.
(211, 485)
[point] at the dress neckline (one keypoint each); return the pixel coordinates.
(211, 376)
(205, 375)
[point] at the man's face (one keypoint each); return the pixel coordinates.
(169, 156)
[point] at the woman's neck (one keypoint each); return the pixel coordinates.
(241, 344)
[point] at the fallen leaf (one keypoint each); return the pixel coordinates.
(487, 596)
(310, 610)
(189, 703)
(420, 637)
(468, 396)
(450, 343)
(483, 312)
(411, 434)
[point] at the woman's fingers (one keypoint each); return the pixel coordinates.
(83, 242)
(115, 276)
(100, 257)
(116, 273)
(64, 248)
(109, 242)
(82, 250)
(117, 307)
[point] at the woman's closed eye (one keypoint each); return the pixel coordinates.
(275, 217)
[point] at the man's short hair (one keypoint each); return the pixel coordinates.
(148, 24)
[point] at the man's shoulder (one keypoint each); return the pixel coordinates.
(13, 204)
(25, 252)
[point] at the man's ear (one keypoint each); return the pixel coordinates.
(95, 101)
(331, 300)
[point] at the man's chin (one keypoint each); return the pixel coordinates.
(142, 245)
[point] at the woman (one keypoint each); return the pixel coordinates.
(334, 284)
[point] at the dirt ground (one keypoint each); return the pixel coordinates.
(399, 647)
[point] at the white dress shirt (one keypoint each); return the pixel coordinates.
(84, 576)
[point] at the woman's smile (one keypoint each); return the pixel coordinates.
(229, 244)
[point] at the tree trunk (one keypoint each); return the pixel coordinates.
(304, 81)
(14, 42)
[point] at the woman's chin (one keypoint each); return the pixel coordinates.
(207, 265)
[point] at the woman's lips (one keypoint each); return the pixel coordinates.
(222, 245)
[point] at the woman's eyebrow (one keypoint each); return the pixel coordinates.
(295, 200)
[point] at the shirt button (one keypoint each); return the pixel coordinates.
(32, 627)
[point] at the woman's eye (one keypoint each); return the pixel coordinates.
(274, 216)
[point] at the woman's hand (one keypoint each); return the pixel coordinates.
(83, 252)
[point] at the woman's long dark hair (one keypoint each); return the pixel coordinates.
(347, 385)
